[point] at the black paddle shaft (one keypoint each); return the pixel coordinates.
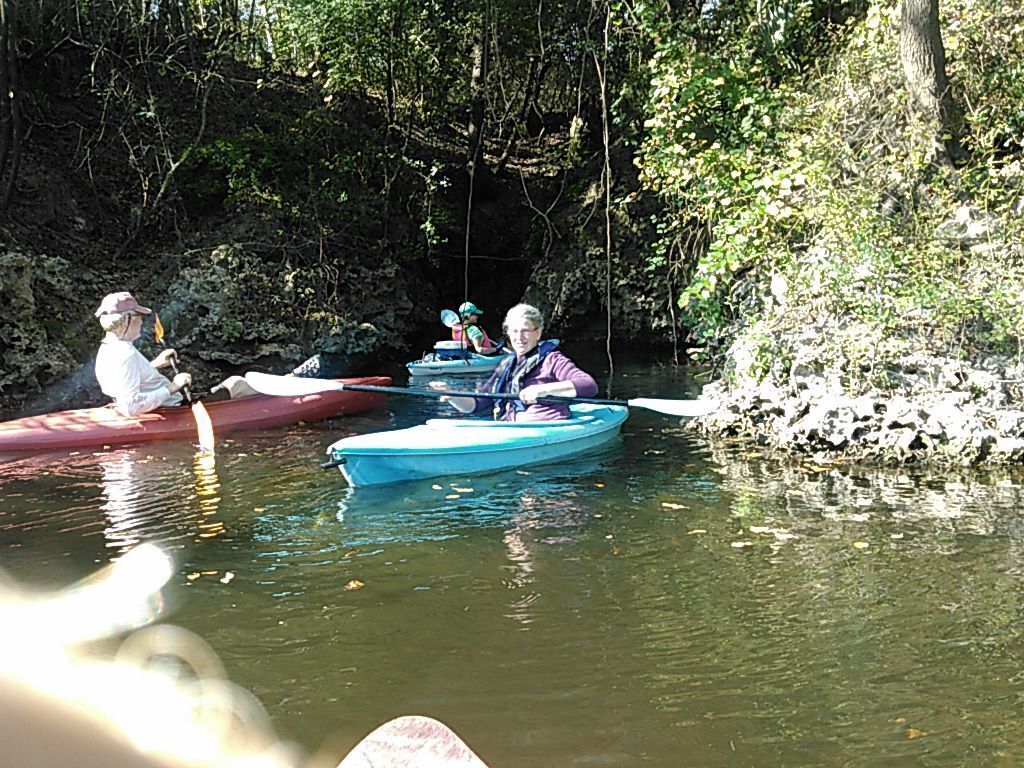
(439, 393)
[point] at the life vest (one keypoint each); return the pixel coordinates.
(458, 334)
(509, 377)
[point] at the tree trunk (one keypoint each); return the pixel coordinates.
(476, 95)
(924, 67)
(10, 103)
(391, 86)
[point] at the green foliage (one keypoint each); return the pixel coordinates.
(431, 214)
(282, 167)
(820, 180)
(399, 50)
(985, 46)
(714, 150)
(231, 329)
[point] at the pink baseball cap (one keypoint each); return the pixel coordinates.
(122, 301)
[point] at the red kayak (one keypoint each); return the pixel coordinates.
(92, 427)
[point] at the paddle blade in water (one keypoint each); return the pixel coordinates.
(204, 426)
(449, 318)
(685, 408)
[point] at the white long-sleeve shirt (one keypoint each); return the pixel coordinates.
(131, 380)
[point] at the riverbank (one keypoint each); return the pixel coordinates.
(904, 406)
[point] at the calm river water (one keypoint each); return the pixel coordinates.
(654, 603)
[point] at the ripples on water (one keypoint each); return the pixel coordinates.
(654, 602)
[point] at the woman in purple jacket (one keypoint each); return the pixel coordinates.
(537, 370)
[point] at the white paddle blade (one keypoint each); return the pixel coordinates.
(204, 427)
(289, 386)
(686, 408)
(449, 318)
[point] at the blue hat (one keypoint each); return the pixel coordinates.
(469, 308)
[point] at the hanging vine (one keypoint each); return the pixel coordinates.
(600, 67)
(475, 130)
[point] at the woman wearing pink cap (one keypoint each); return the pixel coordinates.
(133, 382)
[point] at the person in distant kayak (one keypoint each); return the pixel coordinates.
(134, 383)
(470, 332)
(537, 369)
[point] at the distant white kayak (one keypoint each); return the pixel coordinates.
(474, 364)
(451, 358)
(443, 447)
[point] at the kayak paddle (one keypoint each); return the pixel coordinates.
(294, 386)
(204, 426)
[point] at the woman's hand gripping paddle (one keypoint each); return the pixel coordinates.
(204, 426)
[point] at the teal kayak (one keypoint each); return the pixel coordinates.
(443, 447)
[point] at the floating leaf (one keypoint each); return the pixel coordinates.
(695, 531)
(913, 733)
(437, 487)
(741, 544)
(861, 545)
(673, 505)
(354, 584)
(453, 496)
(227, 577)
(462, 490)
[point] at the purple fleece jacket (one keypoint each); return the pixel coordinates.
(554, 367)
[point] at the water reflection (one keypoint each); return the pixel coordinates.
(560, 512)
(123, 488)
(208, 493)
(434, 510)
(116, 499)
(953, 500)
(830, 600)
(137, 510)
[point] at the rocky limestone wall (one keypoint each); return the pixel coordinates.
(37, 306)
(915, 408)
